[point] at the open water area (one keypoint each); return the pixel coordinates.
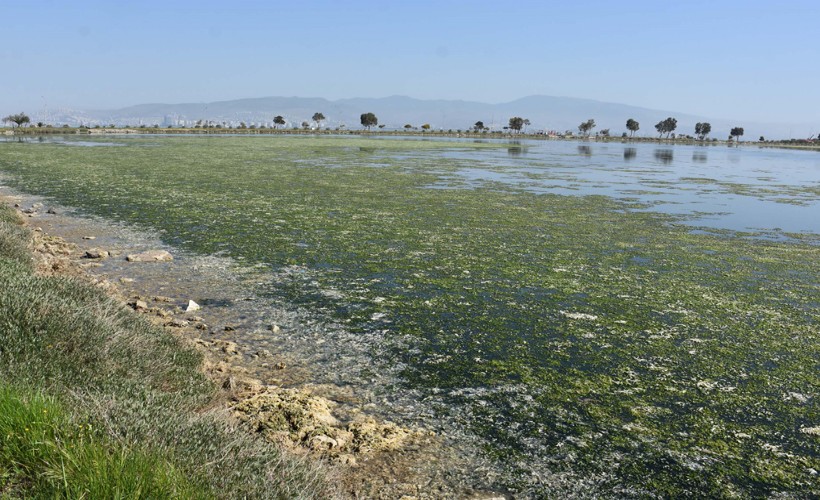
(584, 318)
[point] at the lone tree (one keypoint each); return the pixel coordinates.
(318, 118)
(586, 127)
(368, 120)
(736, 132)
(703, 129)
(633, 126)
(278, 120)
(19, 119)
(407, 126)
(479, 126)
(305, 125)
(666, 126)
(425, 127)
(516, 123)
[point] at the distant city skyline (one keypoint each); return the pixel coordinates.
(749, 60)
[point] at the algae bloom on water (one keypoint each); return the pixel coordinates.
(588, 321)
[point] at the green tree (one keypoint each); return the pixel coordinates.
(278, 120)
(526, 124)
(479, 126)
(516, 123)
(666, 126)
(702, 129)
(318, 118)
(368, 120)
(19, 119)
(605, 132)
(407, 126)
(586, 127)
(633, 126)
(736, 132)
(305, 125)
(425, 127)
(660, 127)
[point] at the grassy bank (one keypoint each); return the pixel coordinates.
(96, 402)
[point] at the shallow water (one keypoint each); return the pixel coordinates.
(741, 189)
(587, 314)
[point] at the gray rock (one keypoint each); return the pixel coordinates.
(192, 306)
(96, 253)
(150, 256)
(139, 305)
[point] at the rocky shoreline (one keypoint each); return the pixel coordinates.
(377, 458)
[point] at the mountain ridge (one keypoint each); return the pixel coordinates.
(544, 112)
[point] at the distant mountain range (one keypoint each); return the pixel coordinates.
(544, 113)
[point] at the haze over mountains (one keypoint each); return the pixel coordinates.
(544, 113)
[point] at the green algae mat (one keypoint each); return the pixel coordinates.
(586, 344)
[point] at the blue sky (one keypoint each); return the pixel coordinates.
(749, 60)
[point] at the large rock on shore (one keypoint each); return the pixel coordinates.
(96, 253)
(296, 417)
(150, 256)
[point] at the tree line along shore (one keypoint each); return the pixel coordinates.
(517, 127)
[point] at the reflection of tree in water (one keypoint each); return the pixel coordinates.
(514, 148)
(699, 157)
(665, 156)
(585, 150)
(630, 153)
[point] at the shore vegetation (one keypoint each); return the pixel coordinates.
(96, 402)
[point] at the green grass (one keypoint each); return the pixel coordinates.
(14, 238)
(120, 408)
(573, 336)
(46, 452)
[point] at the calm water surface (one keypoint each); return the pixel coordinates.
(742, 189)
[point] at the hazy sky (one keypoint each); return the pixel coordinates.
(751, 60)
